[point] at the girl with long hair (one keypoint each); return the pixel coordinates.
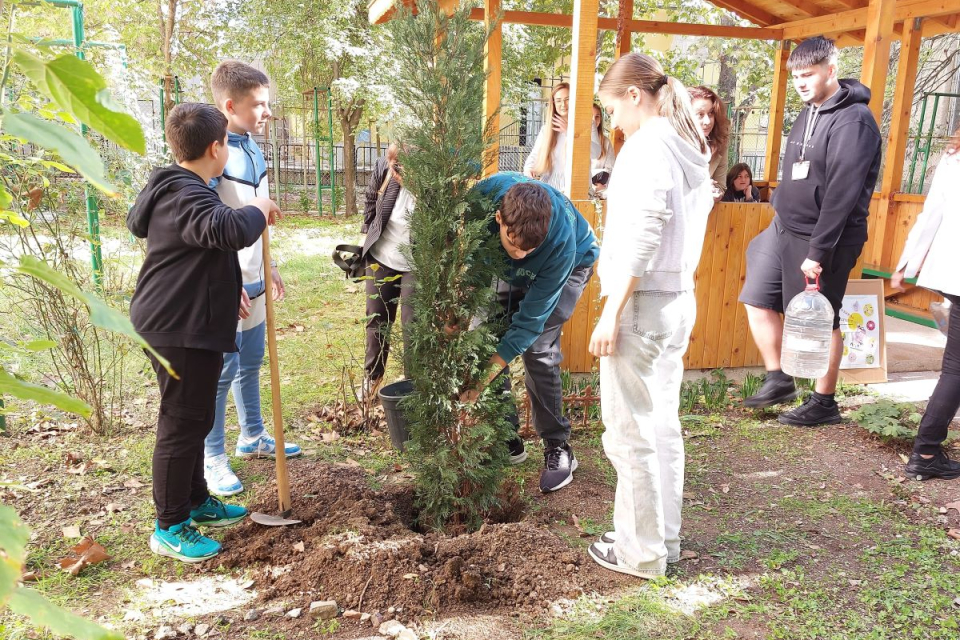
(931, 252)
(602, 155)
(711, 114)
(547, 159)
(658, 201)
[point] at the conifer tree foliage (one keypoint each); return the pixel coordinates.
(457, 452)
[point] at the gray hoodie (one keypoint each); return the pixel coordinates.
(658, 202)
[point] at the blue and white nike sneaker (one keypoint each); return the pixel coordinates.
(214, 513)
(263, 446)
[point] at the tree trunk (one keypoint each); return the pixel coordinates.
(349, 120)
(168, 23)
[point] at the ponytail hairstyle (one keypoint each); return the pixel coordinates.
(673, 102)
(604, 142)
(544, 162)
(720, 135)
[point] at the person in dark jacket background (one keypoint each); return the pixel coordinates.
(389, 279)
(830, 168)
(186, 303)
(740, 185)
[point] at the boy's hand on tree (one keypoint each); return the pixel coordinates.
(279, 291)
(496, 365)
(245, 304)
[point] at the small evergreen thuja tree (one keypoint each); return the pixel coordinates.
(456, 451)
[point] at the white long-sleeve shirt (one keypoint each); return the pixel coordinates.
(932, 243)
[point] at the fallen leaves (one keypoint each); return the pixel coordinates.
(954, 533)
(299, 546)
(72, 531)
(952, 505)
(133, 483)
(85, 553)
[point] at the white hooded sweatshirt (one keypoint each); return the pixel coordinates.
(658, 202)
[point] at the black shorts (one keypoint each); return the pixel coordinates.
(773, 270)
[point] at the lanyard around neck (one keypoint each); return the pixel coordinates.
(808, 129)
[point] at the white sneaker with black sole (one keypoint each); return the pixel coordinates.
(602, 553)
(518, 452)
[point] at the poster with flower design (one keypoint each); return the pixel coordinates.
(860, 326)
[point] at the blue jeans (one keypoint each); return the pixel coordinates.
(241, 372)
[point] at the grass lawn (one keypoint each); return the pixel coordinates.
(788, 533)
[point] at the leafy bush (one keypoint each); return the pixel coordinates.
(889, 420)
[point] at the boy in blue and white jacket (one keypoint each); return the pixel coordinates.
(242, 94)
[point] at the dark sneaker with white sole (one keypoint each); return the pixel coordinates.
(611, 536)
(939, 466)
(602, 553)
(518, 452)
(774, 390)
(811, 413)
(559, 465)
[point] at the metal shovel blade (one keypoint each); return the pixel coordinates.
(272, 521)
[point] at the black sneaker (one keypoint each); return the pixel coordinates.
(811, 413)
(518, 453)
(939, 466)
(559, 465)
(773, 391)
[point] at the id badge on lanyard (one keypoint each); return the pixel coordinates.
(801, 169)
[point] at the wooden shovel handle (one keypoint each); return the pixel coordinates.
(283, 480)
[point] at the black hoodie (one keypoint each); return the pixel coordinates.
(188, 291)
(831, 205)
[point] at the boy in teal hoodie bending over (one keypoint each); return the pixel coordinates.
(551, 250)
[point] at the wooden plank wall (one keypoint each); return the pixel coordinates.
(720, 337)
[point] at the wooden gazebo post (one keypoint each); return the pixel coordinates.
(492, 88)
(583, 69)
(876, 51)
(778, 99)
(892, 179)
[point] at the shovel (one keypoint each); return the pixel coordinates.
(283, 481)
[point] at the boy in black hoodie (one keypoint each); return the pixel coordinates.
(185, 305)
(830, 168)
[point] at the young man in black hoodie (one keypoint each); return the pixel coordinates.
(186, 304)
(830, 168)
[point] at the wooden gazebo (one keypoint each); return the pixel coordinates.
(721, 337)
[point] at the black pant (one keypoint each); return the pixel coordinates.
(186, 417)
(541, 361)
(945, 401)
(386, 288)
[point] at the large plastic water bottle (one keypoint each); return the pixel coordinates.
(807, 334)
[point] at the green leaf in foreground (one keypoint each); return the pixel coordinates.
(78, 89)
(101, 314)
(14, 535)
(13, 386)
(73, 149)
(44, 613)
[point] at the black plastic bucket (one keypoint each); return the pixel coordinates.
(390, 397)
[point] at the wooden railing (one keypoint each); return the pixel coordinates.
(721, 336)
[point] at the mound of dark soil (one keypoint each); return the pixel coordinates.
(359, 549)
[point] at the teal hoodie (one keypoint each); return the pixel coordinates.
(570, 243)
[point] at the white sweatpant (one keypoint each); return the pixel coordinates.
(640, 399)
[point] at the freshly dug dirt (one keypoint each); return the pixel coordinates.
(360, 550)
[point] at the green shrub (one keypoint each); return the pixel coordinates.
(889, 420)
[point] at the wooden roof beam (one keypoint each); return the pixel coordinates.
(637, 26)
(857, 18)
(747, 11)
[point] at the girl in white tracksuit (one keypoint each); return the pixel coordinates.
(658, 202)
